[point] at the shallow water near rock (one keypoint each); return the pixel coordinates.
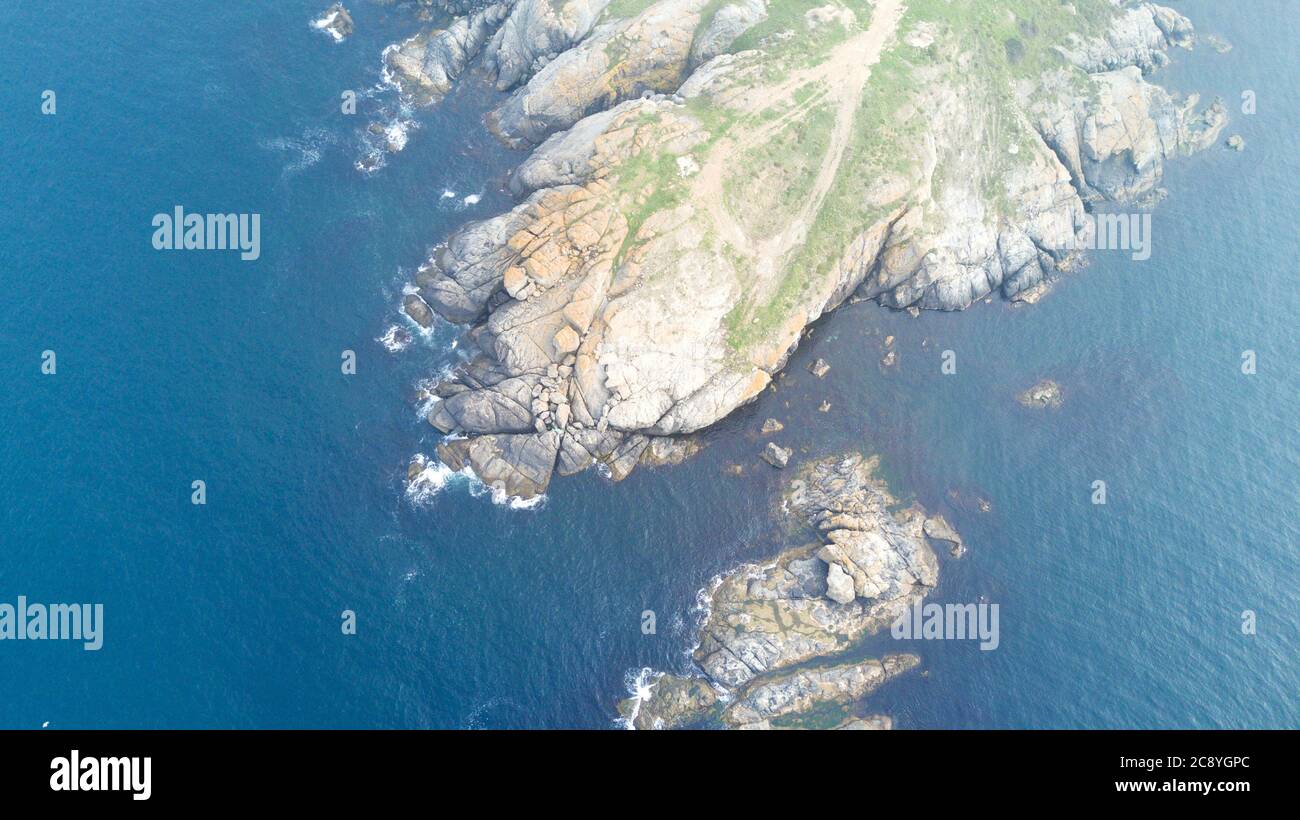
(182, 366)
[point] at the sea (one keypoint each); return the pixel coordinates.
(314, 589)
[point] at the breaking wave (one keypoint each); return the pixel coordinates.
(395, 339)
(640, 686)
(431, 477)
(324, 22)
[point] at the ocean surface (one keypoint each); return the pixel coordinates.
(177, 366)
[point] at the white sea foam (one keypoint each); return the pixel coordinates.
(472, 199)
(324, 23)
(478, 489)
(370, 163)
(390, 128)
(305, 151)
(640, 685)
(447, 193)
(395, 339)
(703, 609)
(434, 477)
(428, 399)
(389, 79)
(476, 719)
(396, 134)
(378, 148)
(426, 334)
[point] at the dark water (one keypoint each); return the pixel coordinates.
(181, 366)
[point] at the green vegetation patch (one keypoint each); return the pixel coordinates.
(786, 36)
(624, 9)
(772, 180)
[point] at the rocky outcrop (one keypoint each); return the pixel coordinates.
(666, 451)
(689, 209)
(764, 652)
(536, 32)
(573, 156)
(715, 35)
(619, 61)
(1138, 36)
(1115, 144)
(426, 65)
(416, 308)
(776, 455)
(521, 463)
(806, 689)
(336, 22)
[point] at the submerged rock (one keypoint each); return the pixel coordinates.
(1217, 43)
(937, 528)
(1046, 393)
(669, 450)
(868, 723)
(777, 455)
(1032, 296)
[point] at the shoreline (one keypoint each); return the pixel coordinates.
(618, 461)
(583, 354)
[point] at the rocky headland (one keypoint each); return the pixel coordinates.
(708, 177)
(775, 650)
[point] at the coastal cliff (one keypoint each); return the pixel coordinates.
(771, 650)
(709, 177)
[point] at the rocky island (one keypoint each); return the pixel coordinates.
(772, 650)
(708, 177)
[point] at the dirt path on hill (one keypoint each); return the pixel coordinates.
(843, 76)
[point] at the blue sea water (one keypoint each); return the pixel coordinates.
(181, 366)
